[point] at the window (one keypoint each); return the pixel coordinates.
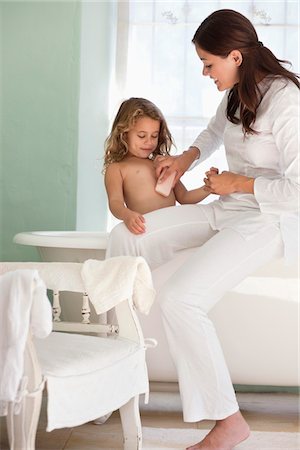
(156, 59)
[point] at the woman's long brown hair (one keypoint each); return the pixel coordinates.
(226, 30)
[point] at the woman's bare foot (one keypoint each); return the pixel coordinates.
(225, 434)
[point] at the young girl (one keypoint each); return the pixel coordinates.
(139, 134)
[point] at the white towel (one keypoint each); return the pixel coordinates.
(115, 279)
(58, 276)
(23, 303)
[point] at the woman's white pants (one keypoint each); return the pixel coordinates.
(220, 261)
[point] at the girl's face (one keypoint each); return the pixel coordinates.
(142, 138)
(223, 71)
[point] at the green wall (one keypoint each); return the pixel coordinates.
(39, 75)
(1, 145)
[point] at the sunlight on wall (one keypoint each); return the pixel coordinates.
(95, 68)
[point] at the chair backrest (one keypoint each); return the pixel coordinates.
(61, 277)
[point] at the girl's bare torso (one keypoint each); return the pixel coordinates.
(139, 180)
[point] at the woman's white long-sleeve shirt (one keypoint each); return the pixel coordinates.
(271, 156)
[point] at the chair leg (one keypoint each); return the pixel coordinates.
(22, 427)
(131, 424)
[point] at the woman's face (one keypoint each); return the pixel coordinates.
(224, 71)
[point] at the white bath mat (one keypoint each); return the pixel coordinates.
(180, 438)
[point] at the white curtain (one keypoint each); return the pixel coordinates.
(156, 59)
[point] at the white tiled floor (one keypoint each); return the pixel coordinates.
(263, 411)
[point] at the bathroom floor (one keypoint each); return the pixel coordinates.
(263, 411)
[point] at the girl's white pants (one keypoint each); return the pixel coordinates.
(220, 261)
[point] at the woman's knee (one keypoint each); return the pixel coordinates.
(173, 296)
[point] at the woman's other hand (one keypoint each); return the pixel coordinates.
(178, 164)
(227, 183)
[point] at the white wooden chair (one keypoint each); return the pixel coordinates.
(87, 376)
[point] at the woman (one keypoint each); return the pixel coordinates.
(257, 121)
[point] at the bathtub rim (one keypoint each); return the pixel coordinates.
(96, 240)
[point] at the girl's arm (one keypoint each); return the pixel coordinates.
(183, 196)
(113, 179)
(114, 187)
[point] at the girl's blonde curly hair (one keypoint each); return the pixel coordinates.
(129, 112)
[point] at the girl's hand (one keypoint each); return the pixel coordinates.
(212, 171)
(228, 183)
(135, 222)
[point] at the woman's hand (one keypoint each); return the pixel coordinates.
(227, 183)
(178, 164)
(135, 222)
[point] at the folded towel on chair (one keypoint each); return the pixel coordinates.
(23, 304)
(114, 279)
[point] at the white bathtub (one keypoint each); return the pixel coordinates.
(66, 246)
(257, 322)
